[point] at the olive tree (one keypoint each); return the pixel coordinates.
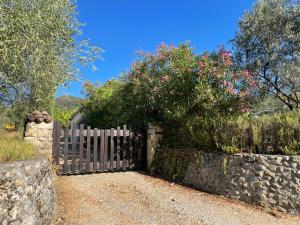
(268, 45)
(39, 50)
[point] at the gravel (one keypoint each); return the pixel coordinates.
(136, 198)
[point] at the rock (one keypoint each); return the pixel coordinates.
(259, 179)
(40, 134)
(39, 117)
(27, 192)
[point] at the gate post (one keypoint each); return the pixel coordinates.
(38, 131)
(154, 135)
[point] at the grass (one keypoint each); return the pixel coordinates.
(13, 147)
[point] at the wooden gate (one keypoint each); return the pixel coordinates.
(80, 150)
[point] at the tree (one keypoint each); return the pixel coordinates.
(268, 45)
(104, 106)
(39, 51)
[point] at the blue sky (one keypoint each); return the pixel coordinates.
(121, 27)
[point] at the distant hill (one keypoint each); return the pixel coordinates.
(68, 102)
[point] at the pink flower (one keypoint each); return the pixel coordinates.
(161, 45)
(204, 57)
(227, 83)
(246, 74)
(254, 84)
(244, 94)
(244, 109)
(232, 90)
(226, 57)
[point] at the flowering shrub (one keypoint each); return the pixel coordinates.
(187, 92)
(174, 84)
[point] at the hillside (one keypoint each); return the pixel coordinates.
(68, 102)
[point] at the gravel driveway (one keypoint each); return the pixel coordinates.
(134, 198)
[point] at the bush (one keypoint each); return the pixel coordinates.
(171, 86)
(13, 147)
(63, 115)
(104, 106)
(270, 134)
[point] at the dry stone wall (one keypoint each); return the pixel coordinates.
(38, 130)
(40, 134)
(27, 193)
(270, 181)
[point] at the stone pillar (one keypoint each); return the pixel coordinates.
(38, 130)
(154, 135)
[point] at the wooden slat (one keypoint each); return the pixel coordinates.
(124, 149)
(118, 148)
(66, 149)
(53, 139)
(92, 133)
(102, 136)
(95, 149)
(73, 148)
(112, 149)
(120, 155)
(88, 149)
(81, 148)
(57, 143)
(130, 149)
(105, 149)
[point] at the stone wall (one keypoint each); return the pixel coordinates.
(38, 130)
(27, 193)
(40, 134)
(270, 181)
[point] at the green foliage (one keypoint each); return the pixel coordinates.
(271, 134)
(267, 105)
(200, 100)
(39, 47)
(104, 106)
(268, 45)
(224, 164)
(63, 115)
(172, 86)
(13, 147)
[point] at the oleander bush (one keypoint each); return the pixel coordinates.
(201, 100)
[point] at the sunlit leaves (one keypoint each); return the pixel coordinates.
(39, 50)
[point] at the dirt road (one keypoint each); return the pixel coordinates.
(134, 198)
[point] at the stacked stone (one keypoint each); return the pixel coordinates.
(39, 117)
(27, 193)
(38, 130)
(270, 181)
